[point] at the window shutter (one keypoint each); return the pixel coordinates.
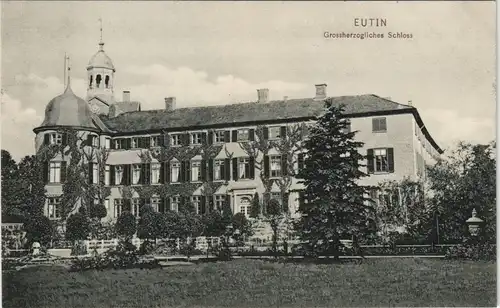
(284, 201)
(89, 140)
(112, 144)
(168, 203)
(188, 171)
(112, 176)
(46, 138)
(251, 134)
(390, 159)
(58, 209)
(186, 139)
(227, 169)
(301, 200)
(251, 163)
(90, 173)
(300, 161)
(235, 169)
(63, 171)
(234, 136)
(162, 173)
(161, 205)
(266, 165)
(139, 143)
(46, 171)
(167, 172)
(210, 137)
(182, 171)
(162, 139)
(64, 139)
(210, 170)
(129, 143)
(284, 164)
(375, 126)
(266, 133)
(204, 138)
(126, 174)
(370, 162)
(204, 170)
(203, 205)
(228, 201)
(127, 205)
(226, 136)
(383, 124)
(283, 132)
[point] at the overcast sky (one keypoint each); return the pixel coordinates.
(218, 53)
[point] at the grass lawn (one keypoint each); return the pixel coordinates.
(252, 283)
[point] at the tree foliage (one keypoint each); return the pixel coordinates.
(150, 224)
(255, 208)
(241, 223)
(39, 229)
(126, 225)
(459, 183)
(336, 205)
(77, 227)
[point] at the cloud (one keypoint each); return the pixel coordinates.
(17, 127)
(453, 128)
(194, 88)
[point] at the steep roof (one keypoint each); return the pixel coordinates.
(243, 113)
(68, 109)
(253, 112)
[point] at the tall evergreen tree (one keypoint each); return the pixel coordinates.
(334, 205)
(255, 209)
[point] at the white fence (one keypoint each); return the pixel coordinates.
(201, 243)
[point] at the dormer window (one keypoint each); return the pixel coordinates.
(175, 140)
(196, 138)
(275, 132)
(242, 134)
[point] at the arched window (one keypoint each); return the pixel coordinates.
(106, 81)
(98, 80)
(91, 79)
(245, 205)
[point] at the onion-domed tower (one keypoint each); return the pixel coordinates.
(64, 114)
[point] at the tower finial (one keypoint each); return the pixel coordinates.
(65, 66)
(69, 73)
(101, 43)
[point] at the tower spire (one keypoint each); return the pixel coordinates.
(101, 43)
(65, 66)
(68, 84)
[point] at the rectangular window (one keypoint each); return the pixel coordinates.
(277, 196)
(118, 207)
(219, 201)
(136, 206)
(275, 165)
(95, 174)
(155, 204)
(219, 136)
(54, 209)
(219, 169)
(379, 125)
(196, 138)
(118, 144)
(155, 173)
(135, 143)
(107, 175)
(174, 204)
(275, 132)
(55, 138)
(175, 170)
(155, 141)
(195, 171)
(245, 210)
(243, 134)
(175, 140)
(381, 160)
(196, 200)
(55, 172)
(136, 173)
(118, 175)
(107, 143)
(244, 168)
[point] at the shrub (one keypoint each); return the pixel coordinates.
(476, 252)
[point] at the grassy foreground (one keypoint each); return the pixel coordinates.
(247, 283)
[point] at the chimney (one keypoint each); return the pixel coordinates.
(263, 95)
(320, 91)
(410, 103)
(169, 103)
(126, 96)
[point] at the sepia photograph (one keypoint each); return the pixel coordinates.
(248, 154)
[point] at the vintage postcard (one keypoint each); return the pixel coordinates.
(248, 154)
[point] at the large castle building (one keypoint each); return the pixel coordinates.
(209, 155)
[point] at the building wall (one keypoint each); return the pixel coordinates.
(400, 135)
